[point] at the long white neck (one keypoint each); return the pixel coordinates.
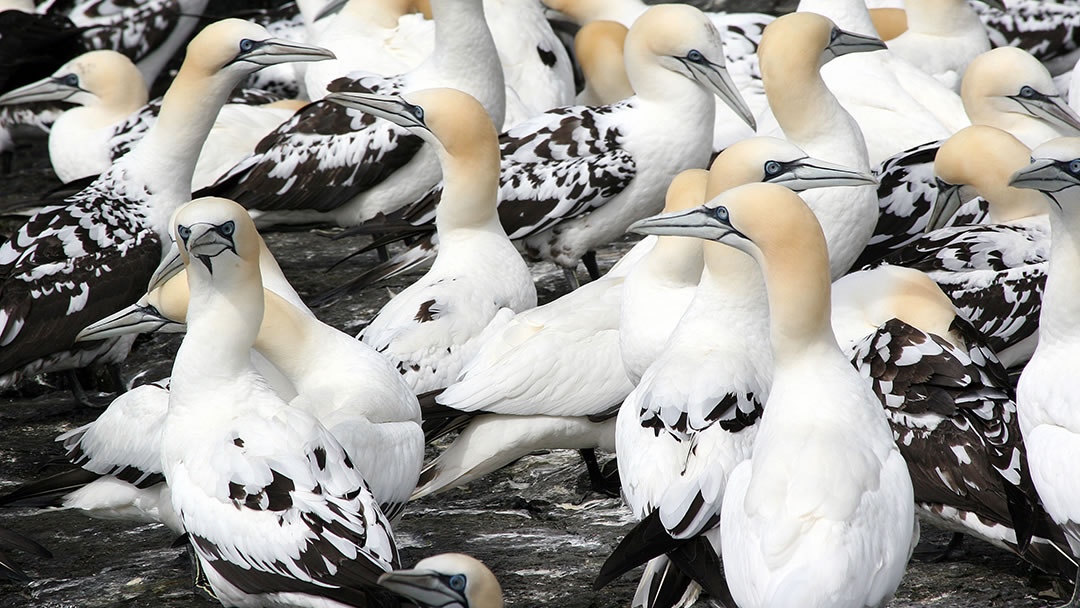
(286, 338)
(465, 56)
(850, 15)
(799, 304)
(1060, 306)
(939, 17)
(469, 197)
(676, 259)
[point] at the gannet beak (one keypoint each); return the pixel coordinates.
(845, 43)
(423, 587)
(1046, 175)
(135, 319)
(46, 89)
(715, 77)
(946, 204)
(275, 50)
(331, 8)
(167, 269)
(998, 4)
(1051, 108)
(807, 173)
(701, 222)
(207, 241)
(391, 107)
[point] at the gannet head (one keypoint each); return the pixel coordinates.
(681, 38)
(1009, 81)
(162, 310)
(216, 237)
(769, 159)
(686, 191)
(599, 49)
(91, 78)
(240, 47)
(1054, 171)
(450, 580)
(796, 39)
(978, 161)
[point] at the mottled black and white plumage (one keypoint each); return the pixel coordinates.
(1048, 29)
(953, 414)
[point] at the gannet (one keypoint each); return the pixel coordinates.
(889, 21)
(896, 105)
(951, 407)
(942, 37)
(71, 265)
(9, 540)
(1004, 88)
(1045, 396)
(598, 47)
(1044, 28)
(449, 580)
(520, 406)
(825, 481)
(273, 506)
(331, 163)
(792, 52)
(430, 329)
(992, 272)
(562, 198)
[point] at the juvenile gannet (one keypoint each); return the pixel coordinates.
(942, 37)
(273, 506)
(449, 580)
(71, 265)
(1045, 28)
(1045, 396)
(992, 272)
(332, 163)
(598, 46)
(952, 410)
(563, 198)
(896, 104)
(431, 328)
(792, 52)
(567, 402)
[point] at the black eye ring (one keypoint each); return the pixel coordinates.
(772, 168)
(183, 232)
(695, 56)
(246, 45)
(1074, 167)
(1027, 92)
(418, 112)
(721, 213)
(228, 228)
(457, 582)
(71, 80)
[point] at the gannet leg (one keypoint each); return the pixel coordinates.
(571, 278)
(589, 259)
(604, 484)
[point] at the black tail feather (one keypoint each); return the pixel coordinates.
(48, 491)
(648, 539)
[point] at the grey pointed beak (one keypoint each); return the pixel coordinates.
(135, 319)
(1052, 109)
(946, 204)
(423, 587)
(1046, 175)
(715, 77)
(46, 89)
(808, 173)
(167, 269)
(331, 8)
(391, 107)
(276, 50)
(845, 43)
(206, 242)
(700, 222)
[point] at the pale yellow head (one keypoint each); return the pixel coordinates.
(450, 579)
(770, 159)
(599, 49)
(985, 158)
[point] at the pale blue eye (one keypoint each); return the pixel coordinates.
(1074, 166)
(246, 45)
(721, 213)
(695, 56)
(418, 112)
(1027, 92)
(228, 228)
(772, 168)
(183, 231)
(457, 582)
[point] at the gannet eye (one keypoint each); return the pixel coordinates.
(721, 213)
(1074, 167)
(418, 112)
(772, 168)
(183, 232)
(228, 228)
(246, 45)
(457, 582)
(1027, 92)
(70, 80)
(695, 56)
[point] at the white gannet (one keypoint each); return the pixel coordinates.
(992, 272)
(431, 329)
(951, 407)
(574, 178)
(520, 405)
(896, 105)
(272, 504)
(448, 580)
(942, 37)
(598, 46)
(1004, 88)
(792, 52)
(106, 88)
(71, 265)
(822, 513)
(1045, 396)
(332, 163)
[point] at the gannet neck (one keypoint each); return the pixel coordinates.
(381, 13)
(470, 189)
(850, 15)
(461, 34)
(1060, 306)
(732, 273)
(587, 11)
(939, 17)
(651, 81)
(804, 107)
(222, 322)
(599, 49)
(285, 337)
(677, 259)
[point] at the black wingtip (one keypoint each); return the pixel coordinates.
(48, 491)
(648, 539)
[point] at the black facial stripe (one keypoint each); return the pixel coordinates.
(240, 56)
